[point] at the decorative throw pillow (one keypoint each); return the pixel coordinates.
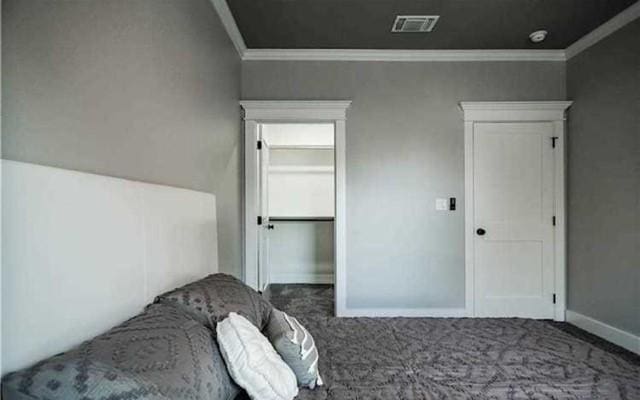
(212, 298)
(252, 362)
(296, 347)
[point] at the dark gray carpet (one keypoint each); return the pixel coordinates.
(455, 358)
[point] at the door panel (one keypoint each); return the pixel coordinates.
(508, 171)
(504, 278)
(513, 203)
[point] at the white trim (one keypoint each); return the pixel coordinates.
(560, 246)
(517, 111)
(514, 110)
(340, 221)
(295, 111)
(302, 278)
(401, 55)
(628, 15)
(250, 275)
(256, 112)
(615, 335)
(469, 271)
(230, 25)
(406, 312)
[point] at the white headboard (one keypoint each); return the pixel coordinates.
(84, 252)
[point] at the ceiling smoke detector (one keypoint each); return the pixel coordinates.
(538, 36)
(414, 23)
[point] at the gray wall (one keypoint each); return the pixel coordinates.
(138, 89)
(301, 252)
(604, 180)
(404, 148)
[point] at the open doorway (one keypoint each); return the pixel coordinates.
(295, 194)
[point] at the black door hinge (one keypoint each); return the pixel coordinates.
(553, 141)
(553, 220)
(259, 220)
(259, 144)
(554, 298)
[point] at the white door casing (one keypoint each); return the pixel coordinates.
(257, 112)
(514, 186)
(265, 227)
(251, 203)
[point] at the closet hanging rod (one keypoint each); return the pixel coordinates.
(301, 219)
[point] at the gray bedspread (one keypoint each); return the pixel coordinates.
(160, 354)
(439, 358)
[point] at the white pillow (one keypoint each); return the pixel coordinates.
(252, 361)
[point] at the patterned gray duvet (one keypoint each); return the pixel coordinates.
(438, 358)
(169, 352)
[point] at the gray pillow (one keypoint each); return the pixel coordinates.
(161, 354)
(296, 347)
(212, 298)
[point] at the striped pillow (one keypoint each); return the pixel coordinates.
(296, 347)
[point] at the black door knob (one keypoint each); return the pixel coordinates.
(481, 232)
(270, 226)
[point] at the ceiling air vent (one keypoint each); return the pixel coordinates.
(414, 23)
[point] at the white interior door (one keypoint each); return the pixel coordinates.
(513, 204)
(265, 227)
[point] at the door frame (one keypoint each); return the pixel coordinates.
(295, 111)
(553, 112)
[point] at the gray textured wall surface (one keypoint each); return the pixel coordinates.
(138, 89)
(604, 180)
(405, 142)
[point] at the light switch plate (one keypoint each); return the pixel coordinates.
(442, 204)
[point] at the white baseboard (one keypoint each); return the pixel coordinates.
(405, 312)
(302, 278)
(617, 336)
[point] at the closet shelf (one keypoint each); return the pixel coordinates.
(301, 169)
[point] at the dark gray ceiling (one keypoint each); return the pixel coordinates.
(464, 24)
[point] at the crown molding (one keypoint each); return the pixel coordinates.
(401, 55)
(230, 26)
(630, 14)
